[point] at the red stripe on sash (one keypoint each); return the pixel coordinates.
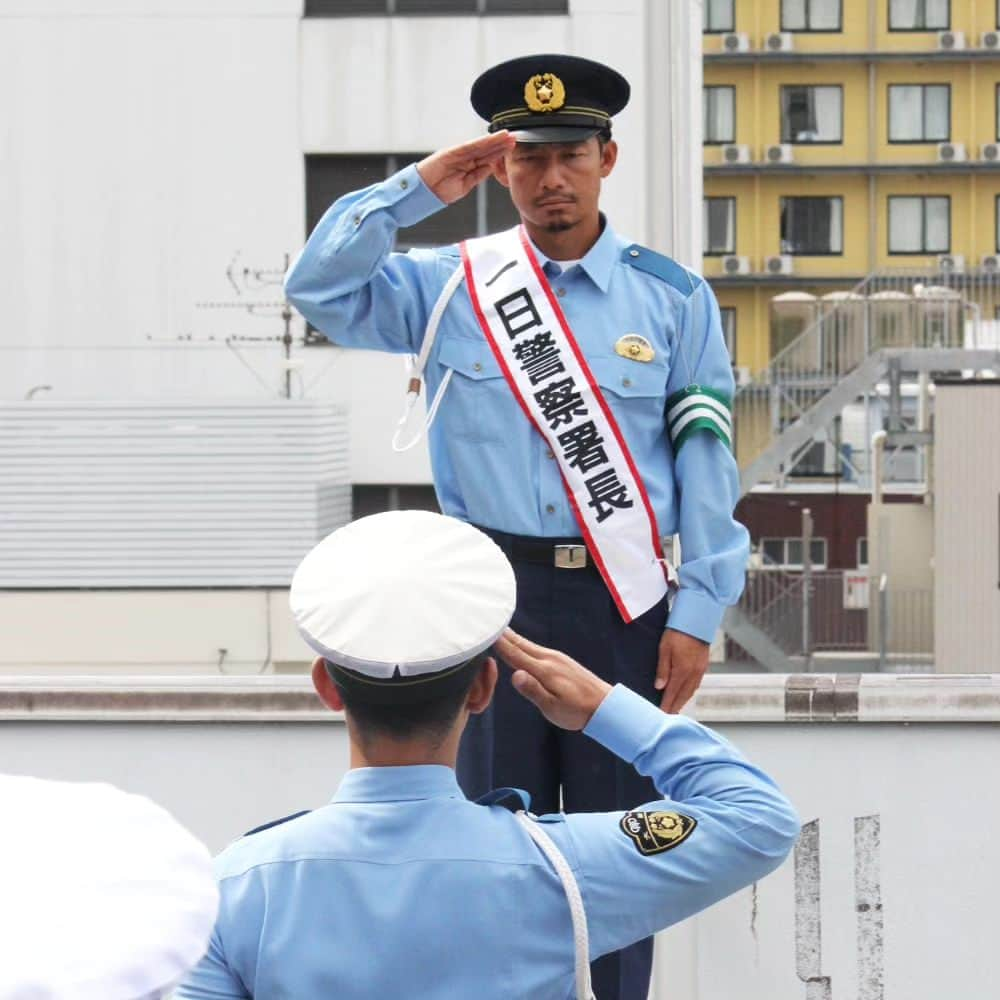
(498, 354)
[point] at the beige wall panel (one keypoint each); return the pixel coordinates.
(967, 533)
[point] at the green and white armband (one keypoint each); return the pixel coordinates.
(698, 408)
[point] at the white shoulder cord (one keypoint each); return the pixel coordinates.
(417, 371)
(581, 941)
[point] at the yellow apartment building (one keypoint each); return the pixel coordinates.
(842, 138)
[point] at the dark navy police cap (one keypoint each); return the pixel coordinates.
(550, 98)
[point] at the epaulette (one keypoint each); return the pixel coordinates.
(275, 822)
(656, 264)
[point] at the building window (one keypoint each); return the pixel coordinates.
(919, 112)
(728, 317)
(719, 16)
(812, 227)
(919, 15)
(997, 101)
(862, 550)
(811, 15)
(720, 115)
(919, 225)
(812, 114)
(351, 8)
(996, 215)
(486, 210)
(720, 226)
(787, 553)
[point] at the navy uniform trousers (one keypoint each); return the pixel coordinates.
(512, 745)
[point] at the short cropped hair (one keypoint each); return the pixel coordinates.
(429, 719)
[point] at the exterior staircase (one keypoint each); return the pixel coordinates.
(890, 328)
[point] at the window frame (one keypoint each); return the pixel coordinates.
(813, 31)
(732, 207)
(810, 197)
(861, 540)
(888, 115)
(923, 226)
(996, 99)
(810, 86)
(786, 564)
(719, 86)
(914, 31)
(729, 335)
(732, 20)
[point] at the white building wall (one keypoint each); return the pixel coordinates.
(153, 144)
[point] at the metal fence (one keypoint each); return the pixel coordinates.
(805, 614)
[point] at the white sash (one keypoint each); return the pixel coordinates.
(551, 380)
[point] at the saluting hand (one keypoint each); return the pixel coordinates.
(682, 664)
(452, 173)
(565, 692)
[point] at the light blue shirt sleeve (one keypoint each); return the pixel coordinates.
(346, 279)
(743, 826)
(714, 546)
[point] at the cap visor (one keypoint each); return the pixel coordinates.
(555, 133)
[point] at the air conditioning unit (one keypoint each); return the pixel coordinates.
(779, 264)
(990, 40)
(779, 41)
(735, 153)
(990, 152)
(779, 154)
(951, 263)
(951, 152)
(990, 263)
(735, 42)
(951, 41)
(732, 264)
(742, 375)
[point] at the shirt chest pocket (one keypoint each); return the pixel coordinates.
(478, 401)
(631, 384)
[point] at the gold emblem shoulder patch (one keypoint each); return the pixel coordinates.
(635, 347)
(544, 92)
(655, 832)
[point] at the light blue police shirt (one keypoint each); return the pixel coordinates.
(401, 887)
(490, 466)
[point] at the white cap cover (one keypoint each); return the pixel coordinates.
(105, 895)
(406, 590)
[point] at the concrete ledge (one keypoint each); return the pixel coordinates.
(730, 698)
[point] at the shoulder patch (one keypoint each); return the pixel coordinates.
(275, 822)
(656, 832)
(664, 268)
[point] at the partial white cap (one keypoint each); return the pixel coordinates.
(405, 591)
(105, 895)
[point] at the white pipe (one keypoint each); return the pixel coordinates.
(878, 459)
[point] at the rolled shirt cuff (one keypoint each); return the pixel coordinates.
(696, 614)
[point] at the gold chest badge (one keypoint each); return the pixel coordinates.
(544, 92)
(635, 348)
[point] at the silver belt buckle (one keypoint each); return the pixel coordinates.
(570, 556)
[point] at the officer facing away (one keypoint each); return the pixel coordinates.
(401, 884)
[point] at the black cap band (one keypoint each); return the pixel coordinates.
(400, 690)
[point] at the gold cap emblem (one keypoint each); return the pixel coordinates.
(544, 92)
(635, 348)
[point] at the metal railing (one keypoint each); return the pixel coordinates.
(909, 309)
(805, 614)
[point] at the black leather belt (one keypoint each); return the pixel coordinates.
(561, 553)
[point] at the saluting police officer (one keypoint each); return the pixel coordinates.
(582, 391)
(400, 886)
